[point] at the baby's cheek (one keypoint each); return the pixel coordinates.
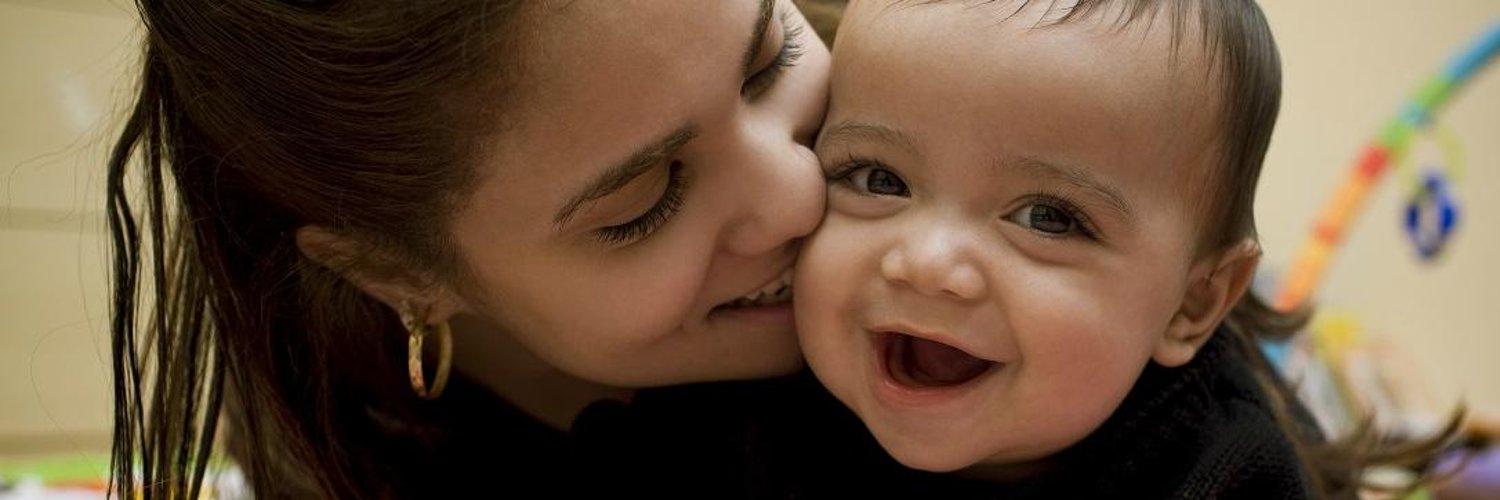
(1078, 366)
(821, 272)
(823, 289)
(1064, 395)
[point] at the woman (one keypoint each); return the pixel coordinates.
(564, 200)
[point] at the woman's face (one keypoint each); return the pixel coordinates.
(654, 169)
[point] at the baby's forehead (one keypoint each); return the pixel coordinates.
(1152, 33)
(975, 81)
(1148, 63)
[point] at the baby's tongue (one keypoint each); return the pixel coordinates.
(938, 364)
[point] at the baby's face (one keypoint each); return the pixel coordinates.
(1010, 226)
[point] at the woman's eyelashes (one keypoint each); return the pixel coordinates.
(671, 200)
(653, 218)
(791, 50)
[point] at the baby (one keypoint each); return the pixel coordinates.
(1039, 214)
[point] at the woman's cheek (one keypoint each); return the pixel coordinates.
(652, 296)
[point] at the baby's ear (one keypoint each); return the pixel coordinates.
(1216, 283)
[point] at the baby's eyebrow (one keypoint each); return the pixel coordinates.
(847, 131)
(1078, 178)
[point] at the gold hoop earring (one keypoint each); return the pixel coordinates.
(418, 329)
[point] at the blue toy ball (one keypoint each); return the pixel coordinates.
(1431, 215)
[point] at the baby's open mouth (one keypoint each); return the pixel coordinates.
(920, 363)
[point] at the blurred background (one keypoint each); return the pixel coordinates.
(69, 69)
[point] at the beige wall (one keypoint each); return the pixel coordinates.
(1349, 63)
(62, 63)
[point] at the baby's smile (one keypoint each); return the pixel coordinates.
(918, 364)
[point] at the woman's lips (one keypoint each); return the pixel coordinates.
(778, 314)
(776, 291)
(769, 304)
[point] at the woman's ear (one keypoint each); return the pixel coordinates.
(1216, 283)
(397, 287)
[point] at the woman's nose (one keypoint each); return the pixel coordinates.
(783, 201)
(785, 184)
(935, 264)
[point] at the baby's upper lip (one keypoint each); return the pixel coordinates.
(963, 344)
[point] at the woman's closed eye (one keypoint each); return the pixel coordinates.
(643, 225)
(791, 50)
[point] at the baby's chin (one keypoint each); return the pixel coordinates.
(937, 448)
(931, 448)
(931, 458)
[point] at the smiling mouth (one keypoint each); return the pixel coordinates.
(917, 363)
(778, 291)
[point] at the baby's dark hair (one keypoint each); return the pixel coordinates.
(1244, 61)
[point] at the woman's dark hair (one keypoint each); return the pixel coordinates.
(256, 118)
(823, 16)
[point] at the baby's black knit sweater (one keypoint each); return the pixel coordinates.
(1202, 430)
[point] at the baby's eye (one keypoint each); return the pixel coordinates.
(1047, 219)
(875, 179)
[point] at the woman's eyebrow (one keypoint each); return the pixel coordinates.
(762, 26)
(620, 175)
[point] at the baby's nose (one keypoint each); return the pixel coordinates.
(935, 266)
